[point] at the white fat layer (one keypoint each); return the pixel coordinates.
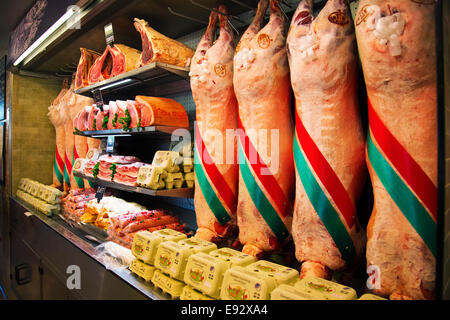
(201, 72)
(306, 46)
(244, 58)
(387, 29)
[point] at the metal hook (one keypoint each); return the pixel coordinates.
(243, 4)
(215, 10)
(186, 17)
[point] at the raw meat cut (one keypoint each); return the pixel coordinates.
(85, 63)
(262, 87)
(115, 60)
(329, 143)
(157, 47)
(211, 75)
(396, 41)
(161, 111)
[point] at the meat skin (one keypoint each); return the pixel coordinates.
(262, 87)
(216, 112)
(400, 76)
(323, 63)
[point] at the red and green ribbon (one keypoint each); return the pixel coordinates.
(263, 189)
(216, 191)
(405, 181)
(58, 166)
(312, 167)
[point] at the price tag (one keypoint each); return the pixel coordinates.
(110, 144)
(97, 95)
(100, 192)
(109, 34)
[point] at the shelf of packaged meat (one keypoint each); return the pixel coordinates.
(82, 240)
(152, 74)
(152, 130)
(177, 193)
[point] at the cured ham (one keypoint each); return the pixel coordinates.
(161, 111)
(329, 142)
(124, 59)
(115, 60)
(156, 47)
(85, 63)
(211, 75)
(262, 87)
(396, 41)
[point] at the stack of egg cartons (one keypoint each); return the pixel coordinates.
(44, 198)
(171, 259)
(256, 281)
(205, 271)
(188, 164)
(144, 248)
(312, 288)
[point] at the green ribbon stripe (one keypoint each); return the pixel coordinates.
(66, 176)
(59, 175)
(403, 197)
(323, 207)
(209, 194)
(260, 200)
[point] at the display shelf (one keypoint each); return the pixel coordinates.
(177, 193)
(157, 130)
(92, 232)
(152, 74)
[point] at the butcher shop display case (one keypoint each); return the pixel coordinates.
(227, 150)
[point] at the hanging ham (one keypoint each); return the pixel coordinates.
(329, 142)
(262, 86)
(396, 41)
(55, 117)
(216, 180)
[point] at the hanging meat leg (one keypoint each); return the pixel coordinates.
(262, 87)
(216, 115)
(396, 41)
(329, 143)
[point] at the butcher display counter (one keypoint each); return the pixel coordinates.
(230, 150)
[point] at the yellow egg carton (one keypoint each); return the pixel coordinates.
(278, 272)
(233, 257)
(23, 183)
(174, 180)
(188, 164)
(151, 177)
(369, 296)
(325, 290)
(142, 269)
(145, 243)
(167, 160)
(168, 285)
(205, 272)
(189, 177)
(190, 293)
(198, 245)
(289, 292)
(171, 257)
(50, 194)
(241, 283)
